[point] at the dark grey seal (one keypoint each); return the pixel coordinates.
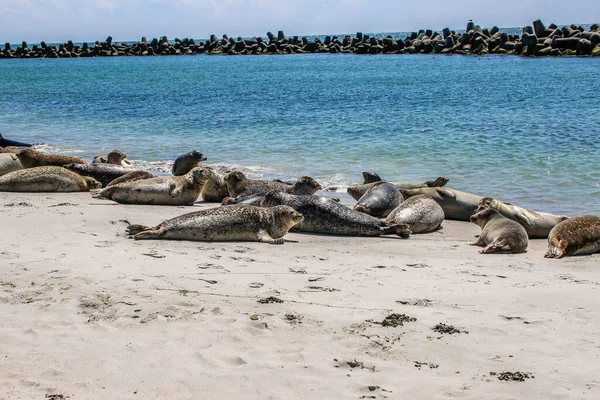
(326, 215)
(574, 236)
(379, 200)
(267, 225)
(498, 233)
(186, 162)
(421, 213)
(357, 191)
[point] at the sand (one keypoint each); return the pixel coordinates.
(88, 314)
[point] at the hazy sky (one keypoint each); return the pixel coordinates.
(90, 20)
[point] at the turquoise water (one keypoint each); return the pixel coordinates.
(519, 129)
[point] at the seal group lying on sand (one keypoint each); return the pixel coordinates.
(537, 224)
(498, 233)
(325, 215)
(379, 200)
(164, 190)
(574, 236)
(371, 178)
(239, 186)
(186, 162)
(104, 173)
(267, 225)
(421, 213)
(46, 179)
(456, 204)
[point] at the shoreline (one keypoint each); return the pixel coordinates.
(90, 314)
(535, 40)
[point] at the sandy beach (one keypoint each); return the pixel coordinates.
(89, 314)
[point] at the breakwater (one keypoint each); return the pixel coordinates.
(535, 40)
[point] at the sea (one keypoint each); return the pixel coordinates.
(523, 130)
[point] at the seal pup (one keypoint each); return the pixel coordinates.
(574, 236)
(421, 213)
(357, 191)
(131, 177)
(456, 204)
(186, 162)
(215, 188)
(161, 190)
(104, 173)
(537, 224)
(46, 179)
(115, 157)
(326, 215)
(266, 225)
(238, 185)
(379, 200)
(498, 233)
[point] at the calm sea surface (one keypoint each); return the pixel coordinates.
(522, 130)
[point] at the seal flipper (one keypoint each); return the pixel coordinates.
(176, 191)
(402, 230)
(523, 220)
(439, 182)
(135, 229)
(264, 237)
(446, 193)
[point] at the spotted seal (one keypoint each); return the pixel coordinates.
(104, 173)
(574, 236)
(357, 191)
(131, 177)
(115, 157)
(267, 225)
(326, 215)
(29, 158)
(186, 162)
(421, 213)
(498, 233)
(379, 200)
(12, 149)
(240, 186)
(46, 179)
(456, 204)
(163, 190)
(215, 189)
(537, 224)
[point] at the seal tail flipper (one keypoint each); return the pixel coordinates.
(402, 230)
(135, 229)
(439, 182)
(96, 194)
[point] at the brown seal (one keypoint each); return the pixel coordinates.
(574, 236)
(46, 179)
(267, 225)
(215, 188)
(498, 233)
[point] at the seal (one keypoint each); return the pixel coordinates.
(104, 173)
(357, 191)
(8, 142)
(131, 177)
(29, 158)
(115, 157)
(240, 186)
(266, 225)
(537, 224)
(186, 162)
(326, 215)
(215, 188)
(421, 213)
(498, 233)
(371, 177)
(379, 200)
(574, 236)
(12, 149)
(456, 204)
(46, 179)
(161, 190)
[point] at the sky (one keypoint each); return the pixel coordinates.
(124, 20)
